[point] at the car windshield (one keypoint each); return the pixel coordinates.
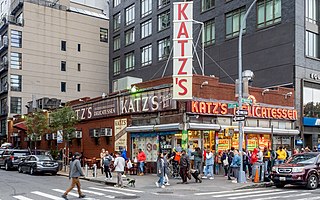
(44, 157)
(303, 159)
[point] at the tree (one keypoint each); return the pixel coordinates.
(37, 125)
(64, 120)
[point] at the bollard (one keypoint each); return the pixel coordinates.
(94, 170)
(86, 170)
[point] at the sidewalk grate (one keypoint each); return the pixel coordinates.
(126, 197)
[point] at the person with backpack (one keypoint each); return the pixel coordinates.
(197, 159)
(225, 163)
(235, 165)
(106, 163)
(230, 158)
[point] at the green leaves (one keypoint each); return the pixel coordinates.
(37, 124)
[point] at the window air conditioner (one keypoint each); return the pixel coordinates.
(48, 136)
(78, 134)
(54, 136)
(38, 138)
(96, 133)
(106, 132)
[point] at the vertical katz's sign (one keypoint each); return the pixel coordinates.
(182, 50)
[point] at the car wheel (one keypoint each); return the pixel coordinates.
(19, 169)
(31, 171)
(6, 167)
(312, 182)
(279, 185)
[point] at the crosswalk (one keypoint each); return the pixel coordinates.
(260, 194)
(92, 193)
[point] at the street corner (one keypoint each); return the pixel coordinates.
(255, 185)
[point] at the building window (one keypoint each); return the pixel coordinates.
(16, 38)
(130, 15)
(163, 48)
(63, 66)
(63, 45)
(63, 86)
(146, 28)
(15, 106)
(164, 20)
(78, 87)
(312, 44)
(116, 3)
(15, 60)
(116, 43)
(4, 106)
(103, 35)
(233, 21)
(312, 11)
(146, 55)
(15, 82)
(207, 4)
(162, 3)
(4, 84)
(116, 66)
(209, 32)
(79, 67)
(146, 7)
(269, 12)
(129, 61)
(129, 34)
(311, 100)
(79, 47)
(116, 21)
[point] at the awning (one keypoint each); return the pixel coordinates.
(275, 131)
(199, 126)
(21, 126)
(152, 128)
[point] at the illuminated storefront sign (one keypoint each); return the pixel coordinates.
(218, 108)
(182, 50)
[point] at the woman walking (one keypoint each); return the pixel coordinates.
(160, 171)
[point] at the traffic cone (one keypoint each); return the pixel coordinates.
(256, 177)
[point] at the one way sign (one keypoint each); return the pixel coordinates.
(242, 112)
(238, 118)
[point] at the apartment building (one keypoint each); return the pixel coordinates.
(57, 50)
(280, 45)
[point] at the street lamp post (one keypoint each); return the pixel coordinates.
(241, 177)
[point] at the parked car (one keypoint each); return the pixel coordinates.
(10, 158)
(38, 163)
(300, 169)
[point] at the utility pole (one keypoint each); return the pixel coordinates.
(242, 177)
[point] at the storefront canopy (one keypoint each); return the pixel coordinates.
(152, 128)
(275, 131)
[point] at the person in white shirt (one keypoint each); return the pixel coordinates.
(119, 164)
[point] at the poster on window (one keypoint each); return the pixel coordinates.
(120, 134)
(149, 145)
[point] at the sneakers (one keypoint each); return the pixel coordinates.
(110, 178)
(204, 177)
(106, 179)
(141, 174)
(211, 178)
(82, 196)
(64, 196)
(123, 176)
(157, 184)
(234, 181)
(167, 184)
(162, 186)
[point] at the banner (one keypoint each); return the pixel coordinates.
(120, 134)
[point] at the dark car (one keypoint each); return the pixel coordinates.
(300, 169)
(38, 164)
(10, 158)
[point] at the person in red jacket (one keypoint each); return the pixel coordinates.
(141, 160)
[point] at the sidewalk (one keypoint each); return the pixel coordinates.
(220, 183)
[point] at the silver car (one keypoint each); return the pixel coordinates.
(38, 164)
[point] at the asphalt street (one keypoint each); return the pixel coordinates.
(26, 187)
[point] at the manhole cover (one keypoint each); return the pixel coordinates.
(165, 192)
(127, 197)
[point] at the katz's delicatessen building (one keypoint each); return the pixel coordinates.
(208, 119)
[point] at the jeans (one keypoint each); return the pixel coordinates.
(183, 174)
(209, 170)
(107, 171)
(160, 181)
(141, 165)
(278, 162)
(75, 182)
(197, 165)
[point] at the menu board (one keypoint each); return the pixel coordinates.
(252, 144)
(223, 144)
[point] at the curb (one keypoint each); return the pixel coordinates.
(258, 185)
(91, 180)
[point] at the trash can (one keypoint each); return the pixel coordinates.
(258, 170)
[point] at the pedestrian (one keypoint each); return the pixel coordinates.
(235, 165)
(102, 155)
(209, 165)
(281, 156)
(106, 164)
(74, 174)
(184, 166)
(266, 160)
(225, 163)
(230, 158)
(166, 169)
(124, 155)
(141, 159)
(245, 159)
(119, 164)
(160, 171)
(197, 159)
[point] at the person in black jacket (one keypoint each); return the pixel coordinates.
(184, 166)
(230, 158)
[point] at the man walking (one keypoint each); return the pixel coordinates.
(119, 164)
(74, 174)
(141, 160)
(184, 166)
(106, 163)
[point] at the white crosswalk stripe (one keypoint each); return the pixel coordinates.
(263, 194)
(125, 189)
(285, 196)
(21, 197)
(239, 192)
(219, 192)
(49, 196)
(113, 191)
(70, 193)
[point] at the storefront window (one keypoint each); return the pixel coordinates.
(149, 146)
(311, 100)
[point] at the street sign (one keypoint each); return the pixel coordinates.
(242, 112)
(244, 100)
(239, 118)
(232, 105)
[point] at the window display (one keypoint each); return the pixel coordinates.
(148, 144)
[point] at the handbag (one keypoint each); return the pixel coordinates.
(129, 164)
(225, 162)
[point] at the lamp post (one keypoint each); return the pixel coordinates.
(241, 178)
